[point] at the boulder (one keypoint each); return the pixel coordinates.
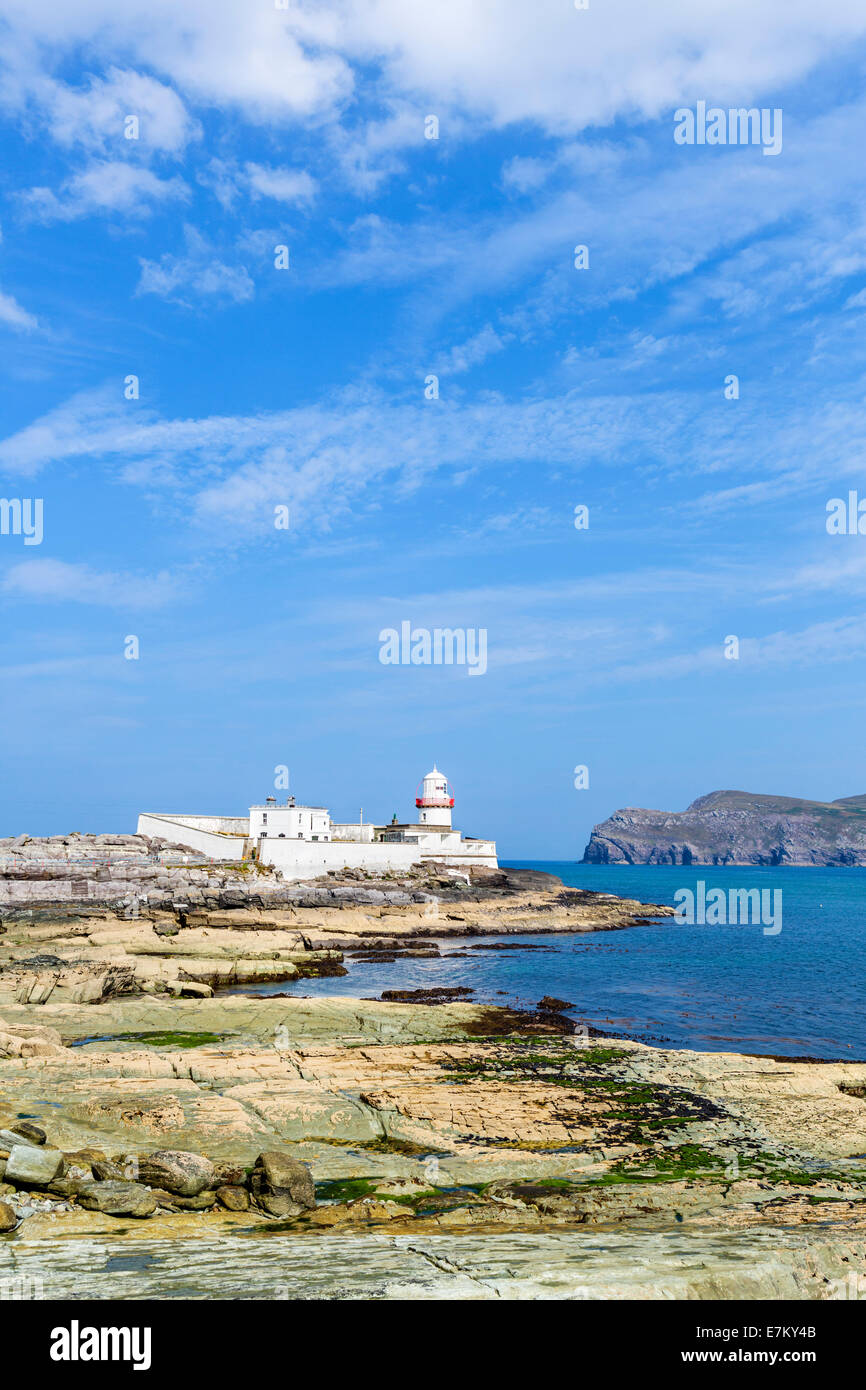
(186, 1174)
(8, 1218)
(203, 1201)
(281, 1185)
(229, 1174)
(402, 1187)
(82, 1161)
(9, 1138)
(109, 1170)
(32, 1133)
(363, 1211)
(105, 984)
(36, 989)
(70, 1185)
(32, 1165)
(233, 1198)
(553, 1005)
(40, 1031)
(117, 1198)
(15, 1045)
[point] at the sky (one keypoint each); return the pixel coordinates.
(426, 385)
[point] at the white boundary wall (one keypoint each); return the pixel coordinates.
(469, 852)
(309, 858)
(353, 831)
(198, 832)
(226, 825)
(305, 859)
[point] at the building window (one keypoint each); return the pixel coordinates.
(264, 818)
(264, 834)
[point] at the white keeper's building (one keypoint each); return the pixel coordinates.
(302, 841)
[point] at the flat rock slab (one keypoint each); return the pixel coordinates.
(571, 1265)
(797, 1103)
(234, 1101)
(137, 1111)
(305, 1110)
(326, 1018)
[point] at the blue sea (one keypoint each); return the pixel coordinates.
(713, 988)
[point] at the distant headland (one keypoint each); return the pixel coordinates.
(735, 827)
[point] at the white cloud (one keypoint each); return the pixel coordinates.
(313, 453)
(215, 52)
(221, 177)
(59, 434)
(105, 186)
(525, 174)
(93, 115)
(838, 640)
(198, 274)
(283, 185)
(370, 151)
(566, 69)
(55, 581)
(463, 356)
(320, 458)
(12, 314)
(500, 61)
(229, 182)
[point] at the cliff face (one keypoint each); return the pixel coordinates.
(731, 827)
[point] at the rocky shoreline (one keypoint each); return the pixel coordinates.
(471, 1150)
(88, 919)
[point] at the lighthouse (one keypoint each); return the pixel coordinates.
(435, 802)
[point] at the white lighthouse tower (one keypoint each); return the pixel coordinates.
(435, 802)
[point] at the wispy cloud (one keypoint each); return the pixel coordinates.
(281, 184)
(95, 115)
(320, 458)
(106, 186)
(307, 454)
(197, 274)
(56, 581)
(14, 316)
